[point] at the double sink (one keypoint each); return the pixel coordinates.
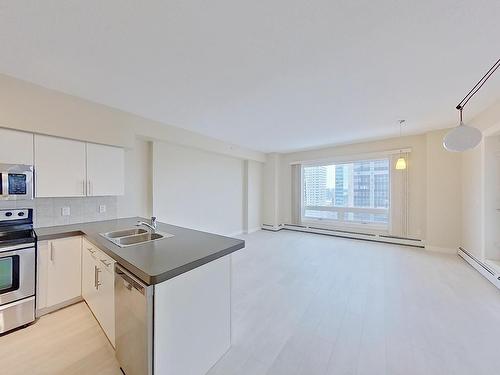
(133, 236)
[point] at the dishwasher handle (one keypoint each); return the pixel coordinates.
(131, 281)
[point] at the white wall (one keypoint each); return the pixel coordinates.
(492, 197)
(444, 203)
(255, 184)
(138, 197)
(472, 201)
(271, 201)
(197, 189)
(474, 170)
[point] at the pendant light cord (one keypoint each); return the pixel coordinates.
(477, 87)
(401, 122)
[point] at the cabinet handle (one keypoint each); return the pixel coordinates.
(96, 277)
(91, 251)
(88, 188)
(83, 187)
(51, 251)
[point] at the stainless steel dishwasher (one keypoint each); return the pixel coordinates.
(134, 323)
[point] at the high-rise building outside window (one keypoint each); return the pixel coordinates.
(356, 192)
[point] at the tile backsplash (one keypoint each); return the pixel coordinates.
(49, 211)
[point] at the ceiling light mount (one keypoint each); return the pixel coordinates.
(465, 137)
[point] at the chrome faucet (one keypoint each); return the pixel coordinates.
(151, 226)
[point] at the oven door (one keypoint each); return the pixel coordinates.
(16, 182)
(17, 273)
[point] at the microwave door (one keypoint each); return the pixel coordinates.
(16, 182)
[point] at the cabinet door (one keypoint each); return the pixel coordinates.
(64, 280)
(105, 170)
(59, 167)
(42, 274)
(106, 297)
(89, 290)
(16, 147)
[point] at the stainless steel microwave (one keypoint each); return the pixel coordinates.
(16, 181)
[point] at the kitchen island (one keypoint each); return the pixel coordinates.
(172, 295)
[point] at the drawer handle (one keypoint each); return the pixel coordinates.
(103, 261)
(90, 249)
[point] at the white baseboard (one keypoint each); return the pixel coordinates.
(481, 267)
(439, 249)
(51, 309)
(273, 228)
(380, 238)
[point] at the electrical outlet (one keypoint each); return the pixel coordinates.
(102, 208)
(65, 211)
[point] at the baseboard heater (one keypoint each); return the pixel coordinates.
(481, 267)
(395, 240)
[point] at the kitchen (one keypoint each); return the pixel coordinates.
(130, 272)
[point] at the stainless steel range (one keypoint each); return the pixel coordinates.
(17, 268)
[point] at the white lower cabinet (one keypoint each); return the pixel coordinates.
(59, 272)
(89, 289)
(98, 287)
(71, 268)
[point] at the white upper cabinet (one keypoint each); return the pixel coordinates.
(59, 167)
(105, 170)
(16, 147)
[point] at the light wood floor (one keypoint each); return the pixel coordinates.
(309, 304)
(68, 341)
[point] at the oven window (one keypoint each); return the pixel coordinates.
(9, 274)
(17, 184)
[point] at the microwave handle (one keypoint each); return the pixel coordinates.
(5, 183)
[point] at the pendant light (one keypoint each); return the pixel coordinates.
(401, 163)
(462, 138)
(465, 137)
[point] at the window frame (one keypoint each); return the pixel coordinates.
(343, 224)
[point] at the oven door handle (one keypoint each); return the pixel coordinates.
(16, 247)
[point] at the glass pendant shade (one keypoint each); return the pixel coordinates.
(462, 138)
(401, 163)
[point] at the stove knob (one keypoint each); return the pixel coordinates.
(8, 214)
(20, 214)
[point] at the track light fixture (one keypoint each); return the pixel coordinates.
(465, 137)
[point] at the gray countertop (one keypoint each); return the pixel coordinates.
(156, 261)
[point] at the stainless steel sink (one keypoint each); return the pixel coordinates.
(133, 236)
(124, 232)
(137, 239)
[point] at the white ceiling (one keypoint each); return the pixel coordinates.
(271, 75)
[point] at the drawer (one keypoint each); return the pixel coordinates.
(16, 314)
(106, 261)
(88, 246)
(99, 255)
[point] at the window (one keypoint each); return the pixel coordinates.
(348, 193)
